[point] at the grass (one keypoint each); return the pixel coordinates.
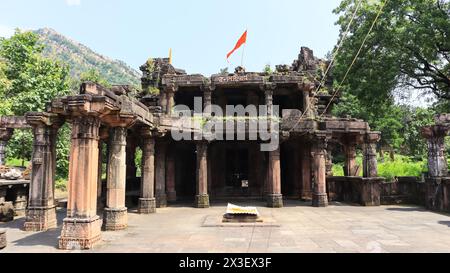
(16, 162)
(401, 166)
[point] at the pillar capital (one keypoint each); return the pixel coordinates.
(435, 131)
(37, 119)
(372, 137)
(6, 134)
(85, 127)
(147, 132)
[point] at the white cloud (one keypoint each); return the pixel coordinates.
(71, 3)
(6, 31)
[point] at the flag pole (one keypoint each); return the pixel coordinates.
(242, 58)
(243, 51)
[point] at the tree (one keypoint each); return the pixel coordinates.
(408, 47)
(93, 76)
(27, 82)
(34, 80)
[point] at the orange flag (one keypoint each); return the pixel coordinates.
(241, 41)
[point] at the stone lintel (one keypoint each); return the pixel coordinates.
(14, 122)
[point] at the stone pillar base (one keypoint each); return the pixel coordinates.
(40, 219)
(202, 201)
(115, 219)
(147, 205)
(306, 196)
(20, 207)
(161, 201)
(319, 200)
(171, 196)
(78, 234)
(3, 241)
(274, 200)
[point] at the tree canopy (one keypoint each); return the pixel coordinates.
(408, 47)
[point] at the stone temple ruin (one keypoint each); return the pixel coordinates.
(120, 120)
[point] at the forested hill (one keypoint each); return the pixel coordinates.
(81, 58)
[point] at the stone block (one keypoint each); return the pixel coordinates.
(6, 212)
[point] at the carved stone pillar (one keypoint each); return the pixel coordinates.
(147, 202)
(306, 172)
(163, 101)
(318, 151)
(161, 197)
(307, 108)
(130, 158)
(20, 203)
(202, 197)
(104, 134)
(268, 92)
(170, 177)
(274, 197)
(115, 214)
(5, 136)
(207, 98)
(370, 168)
(41, 211)
(350, 167)
(170, 96)
(82, 227)
(329, 161)
(437, 160)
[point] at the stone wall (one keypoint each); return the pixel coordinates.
(404, 190)
(407, 189)
(360, 190)
(437, 194)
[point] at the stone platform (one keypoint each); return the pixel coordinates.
(298, 227)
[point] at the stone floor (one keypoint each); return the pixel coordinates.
(299, 228)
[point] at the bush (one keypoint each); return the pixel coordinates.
(61, 184)
(401, 166)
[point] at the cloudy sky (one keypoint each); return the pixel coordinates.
(200, 32)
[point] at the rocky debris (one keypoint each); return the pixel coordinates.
(2, 238)
(239, 70)
(27, 173)
(283, 68)
(12, 174)
(6, 212)
(306, 60)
